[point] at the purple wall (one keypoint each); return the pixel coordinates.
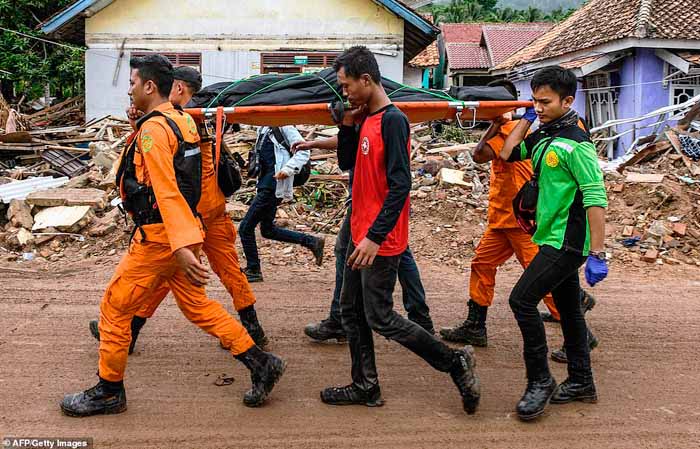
(642, 67)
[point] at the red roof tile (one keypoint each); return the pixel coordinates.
(461, 33)
(430, 57)
(467, 56)
(502, 40)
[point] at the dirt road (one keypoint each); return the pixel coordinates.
(647, 370)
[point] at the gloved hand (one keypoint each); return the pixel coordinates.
(530, 114)
(596, 270)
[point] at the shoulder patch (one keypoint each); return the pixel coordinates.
(192, 127)
(146, 143)
(552, 159)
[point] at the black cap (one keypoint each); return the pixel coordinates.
(189, 76)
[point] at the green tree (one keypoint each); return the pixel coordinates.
(28, 65)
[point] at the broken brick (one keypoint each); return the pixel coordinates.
(679, 229)
(627, 231)
(618, 188)
(650, 256)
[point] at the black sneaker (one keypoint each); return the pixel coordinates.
(317, 249)
(266, 369)
(536, 398)
(326, 330)
(465, 379)
(569, 391)
(102, 399)
(249, 320)
(559, 355)
(468, 332)
(352, 395)
(95, 329)
(253, 274)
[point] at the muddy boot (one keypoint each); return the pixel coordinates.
(266, 369)
(105, 398)
(253, 274)
(540, 388)
(570, 391)
(472, 331)
(466, 380)
(559, 355)
(352, 395)
(136, 324)
(317, 247)
(95, 329)
(587, 301)
(326, 330)
(547, 317)
(249, 320)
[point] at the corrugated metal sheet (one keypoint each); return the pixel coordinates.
(19, 190)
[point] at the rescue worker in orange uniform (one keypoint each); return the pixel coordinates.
(159, 178)
(219, 241)
(503, 236)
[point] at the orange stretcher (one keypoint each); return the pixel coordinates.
(467, 113)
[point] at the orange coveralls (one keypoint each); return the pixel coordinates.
(503, 236)
(219, 241)
(150, 264)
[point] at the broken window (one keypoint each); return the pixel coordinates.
(601, 99)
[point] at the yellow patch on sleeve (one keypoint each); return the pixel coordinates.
(552, 159)
(146, 143)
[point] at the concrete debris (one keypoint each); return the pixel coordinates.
(95, 198)
(63, 218)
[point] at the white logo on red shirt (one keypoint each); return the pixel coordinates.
(365, 146)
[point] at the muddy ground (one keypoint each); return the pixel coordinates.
(647, 368)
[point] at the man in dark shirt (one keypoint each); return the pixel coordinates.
(379, 235)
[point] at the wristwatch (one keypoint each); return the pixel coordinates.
(600, 255)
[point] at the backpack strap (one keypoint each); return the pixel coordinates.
(280, 138)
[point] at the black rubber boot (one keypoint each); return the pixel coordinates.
(472, 331)
(95, 329)
(316, 248)
(136, 324)
(547, 317)
(352, 395)
(105, 398)
(266, 369)
(465, 378)
(249, 320)
(253, 274)
(326, 330)
(560, 354)
(540, 388)
(570, 391)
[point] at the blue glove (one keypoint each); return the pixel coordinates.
(530, 114)
(596, 270)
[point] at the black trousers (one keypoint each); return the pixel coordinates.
(554, 271)
(366, 304)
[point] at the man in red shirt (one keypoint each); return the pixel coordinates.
(379, 230)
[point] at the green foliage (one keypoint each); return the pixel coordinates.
(27, 65)
(461, 11)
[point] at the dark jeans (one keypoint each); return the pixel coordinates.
(366, 304)
(409, 278)
(554, 271)
(263, 210)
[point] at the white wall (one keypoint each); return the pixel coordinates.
(102, 97)
(413, 76)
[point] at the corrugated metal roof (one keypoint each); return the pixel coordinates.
(18, 190)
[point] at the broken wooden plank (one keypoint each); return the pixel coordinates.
(651, 178)
(16, 137)
(453, 149)
(676, 143)
(329, 178)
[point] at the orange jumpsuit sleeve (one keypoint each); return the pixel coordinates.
(158, 148)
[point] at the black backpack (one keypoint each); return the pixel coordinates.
(228, 174)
